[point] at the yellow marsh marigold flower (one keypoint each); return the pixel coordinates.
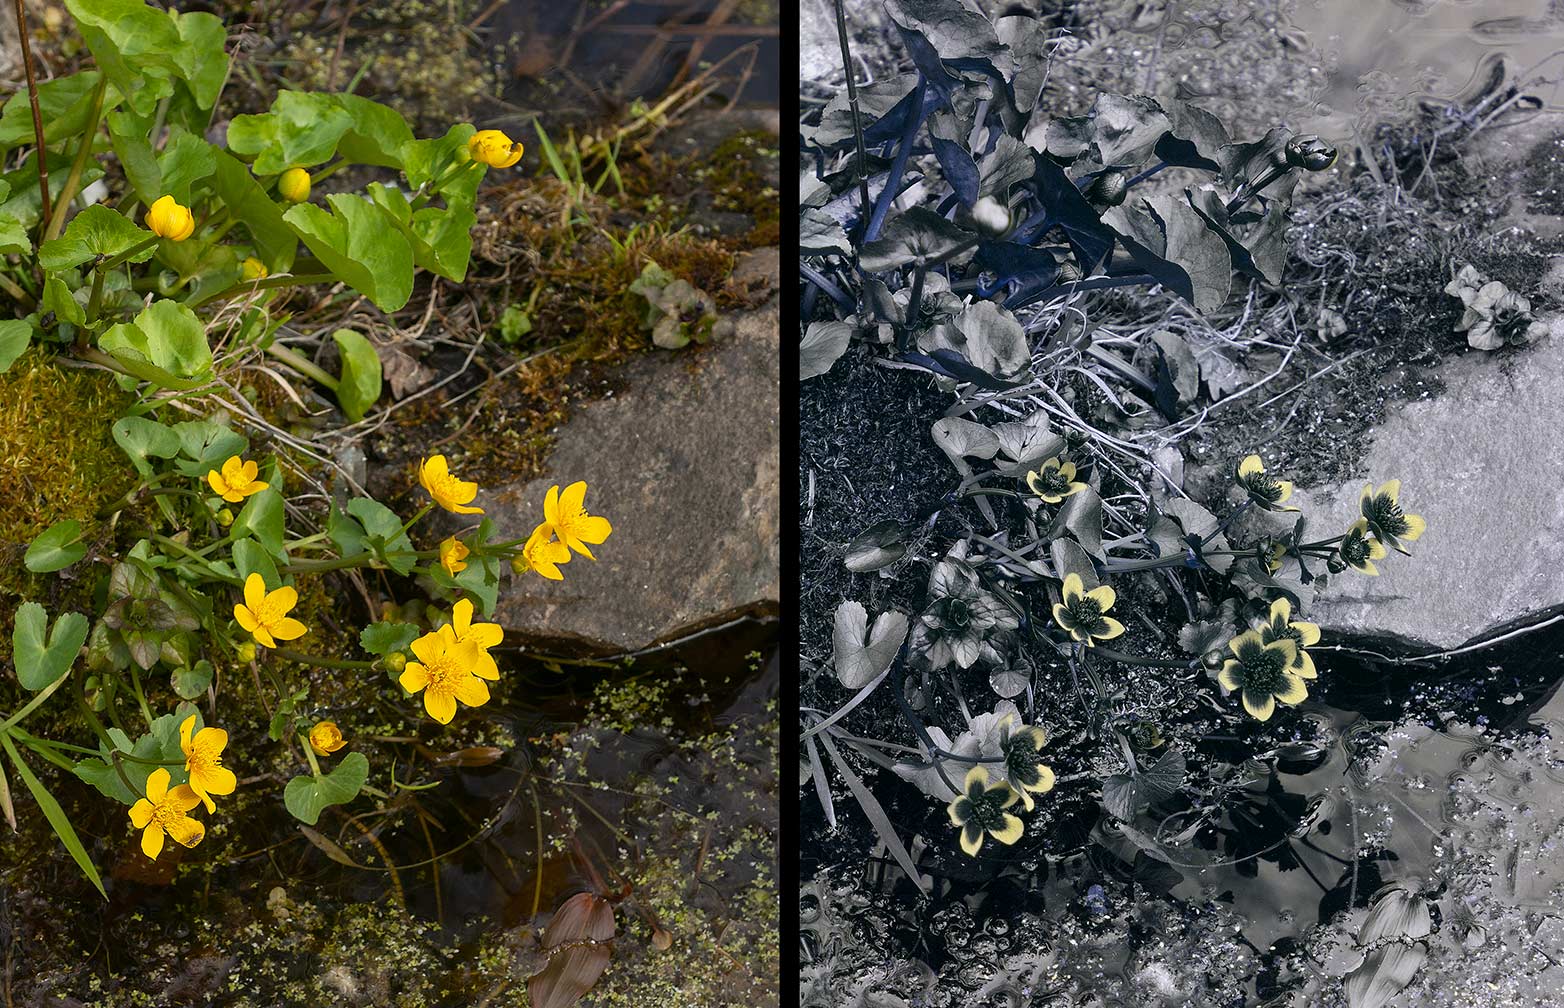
(1281, 626)
(453, 556)
(162, 811)
(566, 516)
(444, 671)
(1358, 550)
(1054, 481)
(253, 269)
(542, 553)
(1082, 613)
(494, 148)
(326, 738)
(1262, 673)
(485, 635)
(1023, 763)
(168, 219)
(294, 184)
(236, 480)
(204, 760)
(1390, 525)
(981, 812)
(264, 614)
(449, 492)
(1262, 489)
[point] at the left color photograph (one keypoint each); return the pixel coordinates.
(389, 527)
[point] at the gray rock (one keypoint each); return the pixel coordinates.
(684, 463)
(1481, 464)
(871, 37)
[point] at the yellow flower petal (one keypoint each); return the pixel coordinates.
(1261, 709)
(1011, 830)
(1250, 466)
(414, 677)
(441, 706)
(1115, 628)
(254, 592)
(152, 841)
(1104, 596)
(288, 628)
(1293, 691)
(1073, 587)
(1228, 677)
(141, 813)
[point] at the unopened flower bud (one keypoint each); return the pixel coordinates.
(988, 217)
(294, 185)
(1213, 659)
(396, 662)
(519, 565)
(1335, 564)
(1310, 152)
(245, 652)
(225, 517)
(1107, 189)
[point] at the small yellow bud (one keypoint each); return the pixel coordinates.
(494, 148)
(294, 185)
(519, 565)
(253, 268)
(167, 219)
(245, 652)
(225, 517)
(396, 662)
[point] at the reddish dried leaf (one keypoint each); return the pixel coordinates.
(583, 917)
(570, 973)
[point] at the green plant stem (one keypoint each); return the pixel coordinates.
(309, 754)
(57, 218)
(130, 495)
(141, 698)
(267, 283)
(301, 364)
(96, 300)
(136, 249)
(14, 289)
(852, 104)
(163, 540)
(414, 520)
(33, 704)
(32, 96)
(336, 663)
(35, 741)
(359, 560)
(1120, 656)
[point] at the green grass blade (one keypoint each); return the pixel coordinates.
(551, 155)
(55, 815)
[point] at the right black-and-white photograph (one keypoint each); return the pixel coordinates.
(1181, 517)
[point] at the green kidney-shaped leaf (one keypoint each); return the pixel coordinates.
(822, 345)
(56, 548)
(95, 231)
(385, 530)
(15, 335)
(362, 244)
(64, 104)
(917, 232)
(141, 438)
(190, 682)
(387, 638)
(306, 128)
(263, 518)
(39, 660)
(424, 161)
(860, 654)
(359, 386)
(250, 557)
(307, 797)
(165, 345)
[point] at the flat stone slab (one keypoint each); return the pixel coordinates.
(1482, 464)
(685, 463)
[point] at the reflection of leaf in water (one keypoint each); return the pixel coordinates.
(578, 953)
